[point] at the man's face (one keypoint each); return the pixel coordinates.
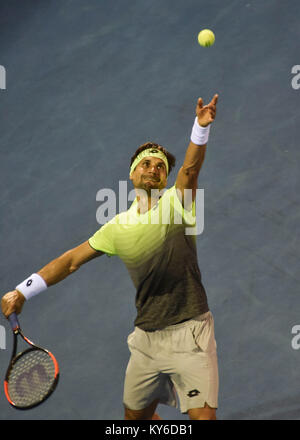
(150, 173)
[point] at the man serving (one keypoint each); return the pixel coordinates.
(172, 346)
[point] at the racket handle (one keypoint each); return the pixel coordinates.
(13, 320)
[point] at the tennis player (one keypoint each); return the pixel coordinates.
(173, 347)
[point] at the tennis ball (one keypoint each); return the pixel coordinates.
(206, 38)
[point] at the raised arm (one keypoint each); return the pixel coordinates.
(52, 273)
(187, 177)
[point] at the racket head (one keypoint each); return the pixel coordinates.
(31, 378)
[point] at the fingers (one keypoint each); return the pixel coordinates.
(212, 112)
(211, 105)
(214, 100)
(206, 113)
(12, 302)
(200, 103)
(211, 109)
(7, 304)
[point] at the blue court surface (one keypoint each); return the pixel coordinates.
(83, 84)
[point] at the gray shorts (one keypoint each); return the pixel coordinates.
(181, 358)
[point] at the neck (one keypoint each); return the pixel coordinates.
(147, 199)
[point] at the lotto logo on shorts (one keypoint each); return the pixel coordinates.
(193, 393)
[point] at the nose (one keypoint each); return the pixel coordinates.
(153, 169)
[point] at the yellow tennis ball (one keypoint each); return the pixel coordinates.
(206, 38)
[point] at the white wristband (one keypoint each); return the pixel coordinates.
(199, 134)
(32, 286)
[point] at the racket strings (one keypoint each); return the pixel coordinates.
(31, 378)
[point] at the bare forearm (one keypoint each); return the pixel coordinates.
(68, 263)
(52, 273)
(194, 158)
(188, 174)
(58, 269)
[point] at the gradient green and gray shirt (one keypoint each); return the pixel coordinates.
(161, 259)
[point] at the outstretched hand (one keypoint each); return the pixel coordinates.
(206, 113)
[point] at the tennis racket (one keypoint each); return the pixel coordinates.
(32, 375)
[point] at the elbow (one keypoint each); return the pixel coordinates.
(68, 262)
(73, 268)
(190, 171)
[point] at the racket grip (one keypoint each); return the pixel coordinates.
(13, 320)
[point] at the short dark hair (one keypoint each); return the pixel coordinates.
(170, 158)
